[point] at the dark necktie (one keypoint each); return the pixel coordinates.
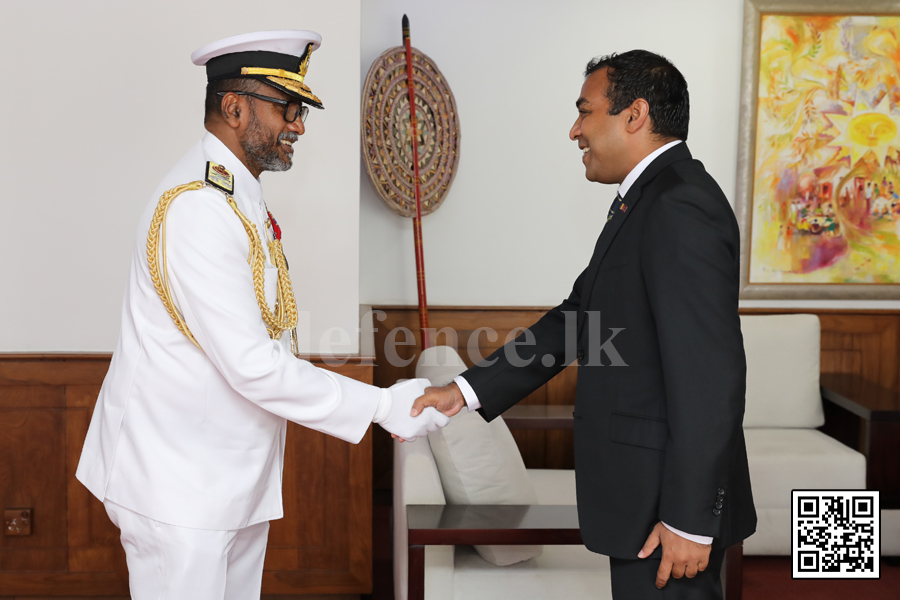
(618, 205)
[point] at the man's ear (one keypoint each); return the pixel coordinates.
(638, 115)
(231, 109)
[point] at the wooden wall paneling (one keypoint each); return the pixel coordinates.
(360, 513)
(539, 448)
(464, 320)
(560, 442)
(32, 396)
(323, 543)
(532, 443)
(322, 546)
(62, 388)
(304, 512)
(862, 344)
(359, 489)
(60, 370)
(93, 541)
(866, 343)
(33, 476)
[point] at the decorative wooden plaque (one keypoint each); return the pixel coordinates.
(386, 145)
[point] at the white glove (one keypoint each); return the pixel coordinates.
(397, 401)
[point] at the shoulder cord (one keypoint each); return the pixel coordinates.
(285, 316)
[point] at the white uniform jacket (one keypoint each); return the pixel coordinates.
(193, 437)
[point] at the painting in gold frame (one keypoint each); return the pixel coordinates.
(819, 157)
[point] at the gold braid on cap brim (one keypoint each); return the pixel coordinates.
(284, 317)
(286, 79)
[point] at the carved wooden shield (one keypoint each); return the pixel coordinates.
(386, 145)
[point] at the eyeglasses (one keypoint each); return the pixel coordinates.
(292, 110)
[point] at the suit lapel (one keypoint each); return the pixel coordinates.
(672, 155)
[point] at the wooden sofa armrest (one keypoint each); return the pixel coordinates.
(861, 397)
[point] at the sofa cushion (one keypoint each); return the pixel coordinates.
(782, 371)
(479, 462)
(782, 460)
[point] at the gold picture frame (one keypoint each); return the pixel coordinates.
(808, 230)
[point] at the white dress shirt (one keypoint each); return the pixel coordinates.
(469, 394)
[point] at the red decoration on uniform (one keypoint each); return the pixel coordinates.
(623, 208)
(221, 170)
(275, 226)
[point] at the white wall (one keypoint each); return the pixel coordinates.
(99, 101)
(520, 221)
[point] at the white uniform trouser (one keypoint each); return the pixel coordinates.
(166, 562)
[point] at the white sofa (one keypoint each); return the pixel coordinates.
(785, 452)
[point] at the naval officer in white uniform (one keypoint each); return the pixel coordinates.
(186, 443)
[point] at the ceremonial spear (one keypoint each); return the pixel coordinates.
(409, 115)
(417, 220)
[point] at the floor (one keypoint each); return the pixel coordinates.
(765, 578)
(769, 578)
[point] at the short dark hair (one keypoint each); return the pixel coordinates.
(214, 100)
(642, 74)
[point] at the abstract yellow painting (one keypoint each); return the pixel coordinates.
(825, 203)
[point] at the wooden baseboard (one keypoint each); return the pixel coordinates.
(323, 545)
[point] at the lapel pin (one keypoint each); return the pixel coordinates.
(623, 208)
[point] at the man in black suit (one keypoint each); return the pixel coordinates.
(660, 461)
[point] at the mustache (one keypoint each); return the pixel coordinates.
(288, 136)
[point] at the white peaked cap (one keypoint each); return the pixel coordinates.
(277, 58)
(286, 41)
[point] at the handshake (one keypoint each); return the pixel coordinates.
(409, 398)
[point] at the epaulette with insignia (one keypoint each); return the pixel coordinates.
(284, 318)
(219, 177)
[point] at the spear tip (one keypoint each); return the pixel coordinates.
(405, 28)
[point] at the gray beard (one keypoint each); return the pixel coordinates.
(261, 149)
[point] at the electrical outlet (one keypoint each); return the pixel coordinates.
(17, 521)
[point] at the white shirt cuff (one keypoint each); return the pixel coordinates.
(468, 393)
(384, 406)
(700, 539)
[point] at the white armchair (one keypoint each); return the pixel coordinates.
(783, 410)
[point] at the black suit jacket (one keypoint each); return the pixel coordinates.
(660, 396)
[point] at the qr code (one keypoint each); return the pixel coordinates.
(836, 534)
